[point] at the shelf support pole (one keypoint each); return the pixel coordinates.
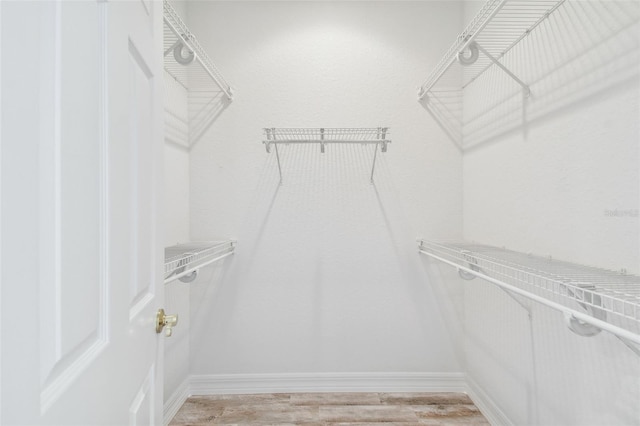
(278, 158)
(384, 143)
(525, 86)
(271, 135)
(375, 154)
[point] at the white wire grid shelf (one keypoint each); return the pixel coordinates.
(323, 136)
(181, 48)
(183, 260)
(592, 299)
(494, 31)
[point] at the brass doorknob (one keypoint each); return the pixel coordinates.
(163, 321)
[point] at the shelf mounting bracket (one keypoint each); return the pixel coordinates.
(376, 136)
(525, 87)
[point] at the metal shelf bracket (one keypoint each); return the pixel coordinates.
(186, 50)
(497, 27)
(606, 300)
(525, 87)
(183, 261)
(325, 136)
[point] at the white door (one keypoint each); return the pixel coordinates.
(81, 264)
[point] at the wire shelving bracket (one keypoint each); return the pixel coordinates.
(183, 46)
(494, 31)
(183, 261)
(591, 299)
(326, 136)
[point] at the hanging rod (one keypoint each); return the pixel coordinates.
(185, 49)
(183, 261)
(325, 136)
(609, 300)
(495, 30)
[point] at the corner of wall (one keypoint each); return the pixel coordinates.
(487, 406)
(175, 401)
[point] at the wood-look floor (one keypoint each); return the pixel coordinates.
(330, 409)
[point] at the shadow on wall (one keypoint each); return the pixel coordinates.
(191, 110)
(445, 106)
(323, 246)
(499, 339)
(208, 293)
(449, 291)
(194, 100)
(205, 106)
(581, 50)
(329, 197)
(305, 183)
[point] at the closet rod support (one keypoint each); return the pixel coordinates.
(462, 42)
(279, 166)
(373, 167)
(525, 87)
(626, 335)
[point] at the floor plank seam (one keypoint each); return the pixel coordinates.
(330, 409)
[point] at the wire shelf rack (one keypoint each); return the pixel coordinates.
(182, 261)
(494, 31)
(325, 136)
(592, 299)
(181, 48)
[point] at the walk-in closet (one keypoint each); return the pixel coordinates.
(320, 212)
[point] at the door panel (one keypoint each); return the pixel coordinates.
(73, 200)
(81, 174)
(141, 410)
(81, 139)
(141, 81)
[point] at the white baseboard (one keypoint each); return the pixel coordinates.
(487, 406)
(175, 401)
(326, 382)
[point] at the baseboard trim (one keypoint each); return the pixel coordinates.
(175, 401)
(326, 382)
(486, 404)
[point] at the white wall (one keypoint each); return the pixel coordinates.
(326, 276)
(176, 225)
(176, 221)
(542, 178)
(176, 185)
(176, 179)
(538, 164)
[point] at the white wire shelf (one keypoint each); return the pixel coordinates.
(181, 48)
(326, 136)
(592, 299)
(494, 31)
(182, 261)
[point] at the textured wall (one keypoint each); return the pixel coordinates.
(176, 220)
(176, 187)
(542, 176)
(176, 225)
(177, 141)
(326, 277)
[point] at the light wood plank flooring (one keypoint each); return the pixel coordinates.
(330, 409)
